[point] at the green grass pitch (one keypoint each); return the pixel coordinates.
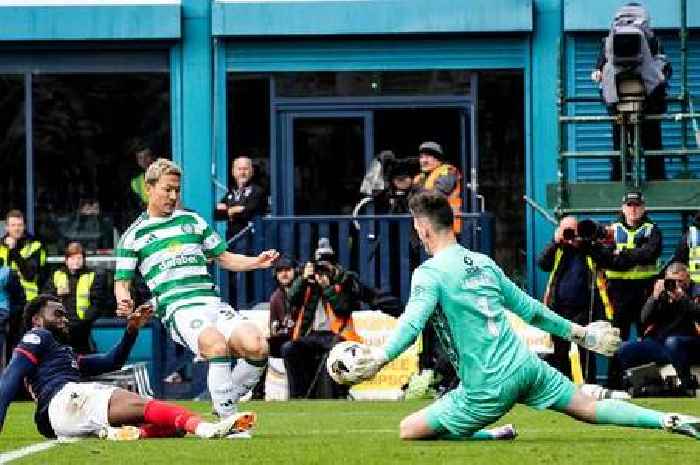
(366, 433)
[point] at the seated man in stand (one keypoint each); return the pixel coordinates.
(671, 319)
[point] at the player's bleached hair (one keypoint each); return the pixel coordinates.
(433, 207)
(677, 267)
(161, 167)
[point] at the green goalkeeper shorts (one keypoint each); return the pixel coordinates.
(462, 412)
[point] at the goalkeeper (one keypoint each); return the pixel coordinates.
(465, 295)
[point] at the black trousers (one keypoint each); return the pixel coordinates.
(560, 360)
(304, 360)
(627, 297)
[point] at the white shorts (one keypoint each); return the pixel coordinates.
(185, 325)
(80, 409)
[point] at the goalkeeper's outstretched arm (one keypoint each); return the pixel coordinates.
(598, 336)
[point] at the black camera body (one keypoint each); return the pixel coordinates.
(324, 268)
(586, 230)
(670, 284)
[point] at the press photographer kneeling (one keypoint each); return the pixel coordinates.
(671, 321)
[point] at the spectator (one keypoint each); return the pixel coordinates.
(244, 201)
(688, 252)
(394, 199)
(672, 322)
(439, 176)
(22, 252)
(326, 296)
(281, 311)
(81, 291)
(605, 73)
(576, 290)
(144, 157)
(11, 304)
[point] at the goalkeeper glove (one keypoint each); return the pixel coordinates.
(598, 336)
(369, 362)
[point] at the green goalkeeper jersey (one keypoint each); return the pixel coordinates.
(466, 295)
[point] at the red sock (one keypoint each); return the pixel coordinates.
(150, 431)
(166, 414)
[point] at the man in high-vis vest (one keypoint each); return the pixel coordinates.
(576, 290)
(632, 266)
(323, 299)
(634, 263)
(22, 252)
(82, 293)
(438, 176)
(688, 252)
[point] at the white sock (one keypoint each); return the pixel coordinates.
(221, 387)
(245, 376)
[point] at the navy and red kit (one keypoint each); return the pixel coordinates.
(48, 365)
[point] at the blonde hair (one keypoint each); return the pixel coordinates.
(161, 167)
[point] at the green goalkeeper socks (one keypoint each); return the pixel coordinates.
(617, 412)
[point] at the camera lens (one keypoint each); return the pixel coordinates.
(669, 285)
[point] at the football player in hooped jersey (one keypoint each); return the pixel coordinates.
(466, 294)
(171, 249)
(68, 408)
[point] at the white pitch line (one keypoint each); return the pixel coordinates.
(7, 457)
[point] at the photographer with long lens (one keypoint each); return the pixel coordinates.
(325, 295)
(671, 321)
(576, 288)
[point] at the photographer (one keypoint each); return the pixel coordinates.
(671, 320)
(576, 288)
(326, 296)
(394, 199)
(688, 252)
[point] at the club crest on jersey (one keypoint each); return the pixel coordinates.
(175, 247)
(31, 338)
(187, 228)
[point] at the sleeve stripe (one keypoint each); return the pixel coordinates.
(32, 358)
(124, 263)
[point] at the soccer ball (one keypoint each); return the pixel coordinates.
(341, 360)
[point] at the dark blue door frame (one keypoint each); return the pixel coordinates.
(284, 203)
(285, 110)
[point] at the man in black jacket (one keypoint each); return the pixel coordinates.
(672, 327)
(244, 201)
(576, 290)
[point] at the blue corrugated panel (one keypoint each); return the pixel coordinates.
(97, 20)
(379, 54)
(596, 15)
(582, 51)
(343, 17)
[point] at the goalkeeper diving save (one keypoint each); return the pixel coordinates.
(465, 294)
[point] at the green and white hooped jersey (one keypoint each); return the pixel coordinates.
(171, 254)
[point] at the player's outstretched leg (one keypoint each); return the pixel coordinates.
(417, 426)
(247, 342)
(617, 412)
(126, 410)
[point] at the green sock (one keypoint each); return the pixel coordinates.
(617, 412)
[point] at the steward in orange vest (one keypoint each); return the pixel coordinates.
(438, 176)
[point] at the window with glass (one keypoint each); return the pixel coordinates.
(13, 193)
(93, 135)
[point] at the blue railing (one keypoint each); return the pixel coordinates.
(382, 249)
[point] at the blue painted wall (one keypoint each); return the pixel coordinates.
(91, 22)
(194, 67)
(336, 17)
